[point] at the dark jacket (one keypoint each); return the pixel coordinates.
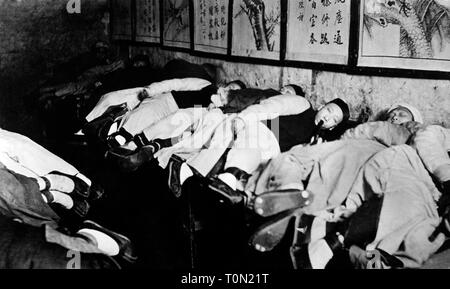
(239, 100)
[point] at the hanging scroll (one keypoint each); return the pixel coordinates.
(176, 23)
(121, 23)
(318, 31)
(211, 26)
(256, 28)
(411, 34)
(147, 21)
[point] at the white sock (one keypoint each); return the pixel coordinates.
(185, 173)
(61, 183)
(240, 186)
(62, 199)
(318, 229)
(84, 179)
(114, 127)
(319, 254)
(121, 140)
(104, 242)
(228, 179)
(130, 145)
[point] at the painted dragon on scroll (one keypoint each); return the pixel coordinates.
(263, 24)
(420, 22)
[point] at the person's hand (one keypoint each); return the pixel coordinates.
(430, 237)
(341, 213)
(216, 100)
(362, 259)
(413, 126)
(211, 106)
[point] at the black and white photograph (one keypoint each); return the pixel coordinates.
(122, 26)
(211, 26)
(176, 26)
(227, 143)
(406, 34)
(148, 24)
(256, 28)
(318, 31)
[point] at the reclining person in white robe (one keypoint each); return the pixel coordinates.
(349, 176)
(52, 183)
(121, 105)
(59, 181)
(201, 136)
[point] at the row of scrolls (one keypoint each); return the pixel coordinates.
(316, 31)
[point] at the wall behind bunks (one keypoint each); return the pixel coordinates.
(368, 96)
(34, 36)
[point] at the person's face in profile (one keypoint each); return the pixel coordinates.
(330, 114)
(221, 97)
(288, 90)
(400, 115)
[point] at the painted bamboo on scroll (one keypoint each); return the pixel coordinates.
(263, 25)
(256, 28)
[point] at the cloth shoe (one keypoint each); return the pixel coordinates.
(131, 160)
(81, 188)
(126, 248)
(99, 127)
(112, 142)
(225, 194)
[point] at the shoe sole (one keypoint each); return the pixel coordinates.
(174, 182)
(270, 234)
(269, 204)
(129, 160)
(122, 161)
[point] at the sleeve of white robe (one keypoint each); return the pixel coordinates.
(275, 106)
(432, 144)
(128, 96)
(177, 84)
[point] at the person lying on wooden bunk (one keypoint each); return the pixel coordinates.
(200, 121)
(181, 84)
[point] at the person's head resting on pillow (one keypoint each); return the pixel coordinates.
(401, 113)
(221, 97)
(332, 114)
(292, 89)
